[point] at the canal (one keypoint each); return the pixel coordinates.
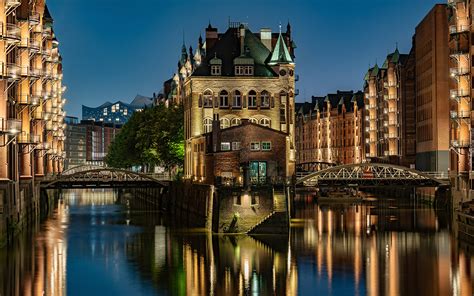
(91, 245)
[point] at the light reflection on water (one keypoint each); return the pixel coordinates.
(87, 247)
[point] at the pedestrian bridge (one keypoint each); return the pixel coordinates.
(102, 177)
(371, 175)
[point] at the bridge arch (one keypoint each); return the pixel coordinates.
(82, 168)
(368, 175)
(103, 178)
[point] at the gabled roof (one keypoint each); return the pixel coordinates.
(227, 48)
(280, 54)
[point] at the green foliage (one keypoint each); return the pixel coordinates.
(152, 137)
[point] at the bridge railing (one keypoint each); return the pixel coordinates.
(438, 175)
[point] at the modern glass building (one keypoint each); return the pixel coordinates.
(118, 112)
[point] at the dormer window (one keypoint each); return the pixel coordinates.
(244, 70)
(216, 66)
(215, 70)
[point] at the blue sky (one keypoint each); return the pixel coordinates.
(114, 49)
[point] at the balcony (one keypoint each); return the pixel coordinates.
(26, 138)
(11, 32)
(51, 126)
(455, 72)
(393, 136)
(457, 94)
(10, 126)
(34, 18)
(37, 115)
(28, 100)
(392, 110)
(13, 71)
(12, 3)
(34, 45)
(389, 84)
(371, 106)
(459, 144)
(47, 52)
(392, 123)
(460, 114)
(43, 146)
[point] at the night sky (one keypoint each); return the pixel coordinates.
(115, 49)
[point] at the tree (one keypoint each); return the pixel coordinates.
(152, 137)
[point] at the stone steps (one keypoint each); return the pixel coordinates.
(275, 223)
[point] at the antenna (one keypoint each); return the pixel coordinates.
(280, 27)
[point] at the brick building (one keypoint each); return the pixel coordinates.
(388, 91)
(238, 76)
(331, 129)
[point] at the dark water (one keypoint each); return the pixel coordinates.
(91, 246)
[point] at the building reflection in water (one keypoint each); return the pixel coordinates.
(36, 262)
(389, 249)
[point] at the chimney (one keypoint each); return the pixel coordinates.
(211, 37)
(266, 38)
(242, 39)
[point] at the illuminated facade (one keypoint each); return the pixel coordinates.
(331, 129)
(387, 117)
(238, 75)
(31, 105)
(460, 51)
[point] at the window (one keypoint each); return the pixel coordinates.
(237, 102)
(266, 146)
(225, 146)
(207, 99)
(253, 120)
(207, 125)
(215, 70)
(255, 146)
(265, 122)
(235, 122)
(265, 99)
(235, 146)
(224, 99)
(225, 123)
(252, 99)
(244, 70)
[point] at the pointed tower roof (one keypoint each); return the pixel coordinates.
(395, 56)
(280, 54)
(375, 71)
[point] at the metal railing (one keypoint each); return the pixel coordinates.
(460, 143)
(26, 138)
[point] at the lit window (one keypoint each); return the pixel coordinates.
(265, 122)
(207, 125)
(215, 70)
(235, 122)
(208, 99)
(252, 99)
(224, 99)
(266, 146)
(237, 102)
(265, 99)
(125, 112)
(225, 123)
(225, 146)
(255, 146)
(235, 146)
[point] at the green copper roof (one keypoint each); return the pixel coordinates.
(395, 57)
(280, 54)
(375, 71)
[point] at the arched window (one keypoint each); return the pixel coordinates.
(253, 120)
(265, 122)
(207, 125)
(224, 99)
(235, 121)
(237, 99)
(207, 99)
(265, 99)
(252, 99)
(225, 123)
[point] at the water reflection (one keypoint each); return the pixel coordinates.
(92, 245)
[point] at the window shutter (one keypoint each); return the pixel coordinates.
(216, 101)
(200, 101)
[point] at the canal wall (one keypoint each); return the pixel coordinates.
(217, 209)
(21, 205)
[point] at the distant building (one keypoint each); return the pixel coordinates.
(75, 144)
(88, 142)
(118, 112)
(330, 130)
(390, 134)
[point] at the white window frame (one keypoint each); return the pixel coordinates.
(265, 143)
(224, 123)
(235, 146)
(265, 122)
(265, 97)
(225, 146)
(207, 125)
(235, 122)
(215, 70)
(237, 94)
(252, 98)
(224, 98)
(254, 146)
(207, 99)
